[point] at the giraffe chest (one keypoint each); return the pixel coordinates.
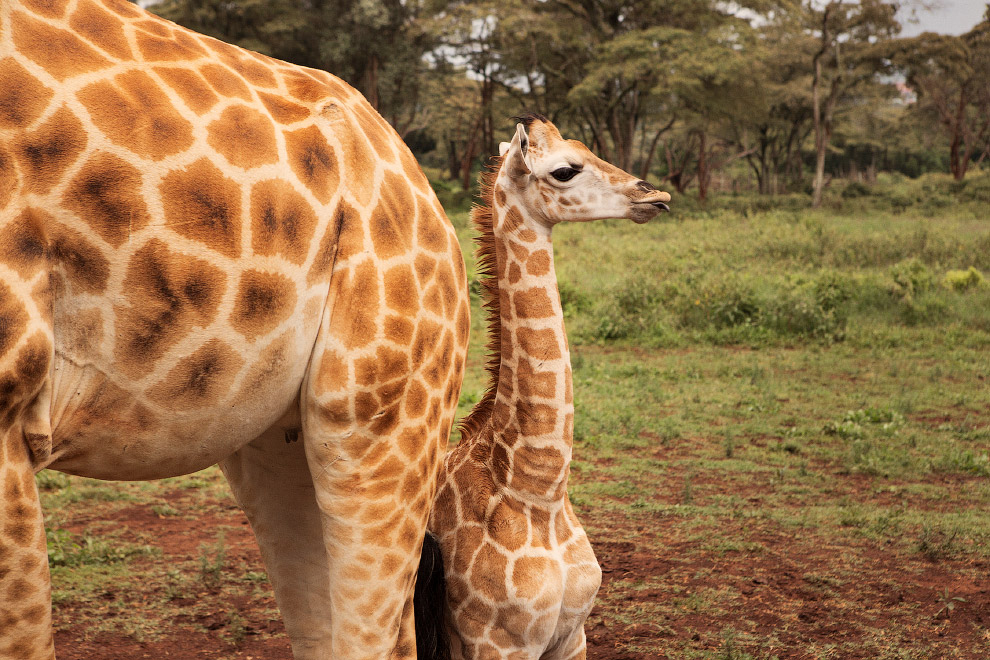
(528, 585)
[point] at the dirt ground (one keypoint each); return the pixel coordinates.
(661, 597)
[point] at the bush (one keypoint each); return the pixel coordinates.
(962, 280)
(911, 278)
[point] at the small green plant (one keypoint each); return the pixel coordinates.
(212, 561)
(911, 278)
(66, 550)
(937, 544)
(162, 510)
(175, 584)
(236, 628)
(687, 492)
(948, 603)
(52, 480)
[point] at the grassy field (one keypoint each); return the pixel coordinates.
(782, 447)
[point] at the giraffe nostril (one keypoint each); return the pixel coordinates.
(645, 186)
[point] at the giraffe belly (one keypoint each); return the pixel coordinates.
(107, 430)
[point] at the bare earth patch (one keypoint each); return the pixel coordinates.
(764, 588)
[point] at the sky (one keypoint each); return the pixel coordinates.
(949, 17)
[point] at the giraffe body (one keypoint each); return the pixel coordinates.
(521, 574)
(207, 255)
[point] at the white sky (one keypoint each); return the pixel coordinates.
(949, 17)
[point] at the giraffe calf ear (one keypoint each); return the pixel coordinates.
(516, 153)
(502, 148)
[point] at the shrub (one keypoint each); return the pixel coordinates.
(911, 278)
(962, 280)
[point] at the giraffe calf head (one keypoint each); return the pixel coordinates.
(560, 180)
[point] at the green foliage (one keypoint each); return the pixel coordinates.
(963, 280)
(213, 560)
(64, 549)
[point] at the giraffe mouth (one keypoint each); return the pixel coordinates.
(641, 218)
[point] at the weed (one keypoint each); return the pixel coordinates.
(66, 550)
(937, 544)
(51, 480)
(162, 510)
(963, 280)
(236, 628)
(948, 603)
(687, 492)
(212, 561)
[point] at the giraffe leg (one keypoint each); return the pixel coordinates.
(574, 647)
(373, 542)
(271, 481)
(25, 585)
(374, 472)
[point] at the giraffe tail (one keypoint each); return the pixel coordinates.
(429, 604)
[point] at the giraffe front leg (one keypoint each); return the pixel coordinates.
(271, 480)
(25, 586)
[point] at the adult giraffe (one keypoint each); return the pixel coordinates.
(521, 576)
(210, 255)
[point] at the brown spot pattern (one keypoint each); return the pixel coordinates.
(45, 153)
(539, 344)
(61, 53)
(136, 114)
(84, 265)
(200, 380)
(283, 110)
(9, 181)
(532, 303)
(244, 137)
(354, 316)
(22, 96)
(264, 300)
(313, 160)
(106, 194)
(13, 319)
(202, 204)
(167, 294)
(190, 86)
(100, 28)
(282, 222)
(225, 82)
(23, 247)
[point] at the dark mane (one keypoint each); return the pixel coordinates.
(527, 118)
(483, 218)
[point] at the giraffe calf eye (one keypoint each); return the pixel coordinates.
(564, 173)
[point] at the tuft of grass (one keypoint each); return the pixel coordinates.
(65, 549)
(213, 560)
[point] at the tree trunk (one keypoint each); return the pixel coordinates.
(703, 171)
(371, 82)
(821, 138)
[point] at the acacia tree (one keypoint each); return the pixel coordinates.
(952, 78)
(854, 40)
(779, 122)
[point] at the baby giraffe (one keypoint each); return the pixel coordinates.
(520, 573)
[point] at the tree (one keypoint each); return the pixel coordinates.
(853, 45)
(952, 78)
(372, 44)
